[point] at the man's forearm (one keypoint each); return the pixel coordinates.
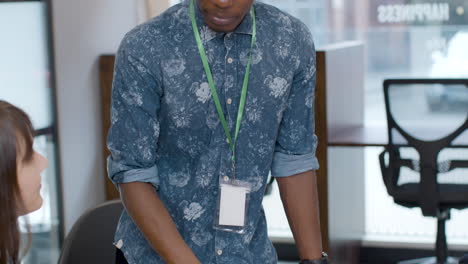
(300, 201)
(152, 218)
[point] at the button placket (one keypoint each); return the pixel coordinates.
(230, 69)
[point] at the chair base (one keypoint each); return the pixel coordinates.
(430, 260)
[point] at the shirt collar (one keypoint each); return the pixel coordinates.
(245, 27)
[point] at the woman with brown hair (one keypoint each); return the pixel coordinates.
(20, 180)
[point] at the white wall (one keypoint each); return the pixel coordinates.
(83, 30)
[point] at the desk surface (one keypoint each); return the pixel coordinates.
(364, 136)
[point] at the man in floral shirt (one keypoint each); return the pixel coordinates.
(208, 93)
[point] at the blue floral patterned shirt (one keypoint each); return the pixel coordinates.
(166, 131)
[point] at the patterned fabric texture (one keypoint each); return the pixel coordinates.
(166, 131)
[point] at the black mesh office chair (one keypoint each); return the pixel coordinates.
(90, 239)
(428, 116)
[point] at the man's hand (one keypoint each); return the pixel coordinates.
(300, 201)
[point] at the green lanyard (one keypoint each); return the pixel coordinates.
(201, 49)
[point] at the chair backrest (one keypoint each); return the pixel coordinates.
(427, 115)
(90, 239)
(464, 259)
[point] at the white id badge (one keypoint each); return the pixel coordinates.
(232, 206)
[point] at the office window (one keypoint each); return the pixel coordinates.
(26, 81)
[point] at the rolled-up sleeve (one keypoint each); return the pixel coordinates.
(296, 142)
(133, 135)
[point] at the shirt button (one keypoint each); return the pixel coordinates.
(229, 101)
(230, 60)
(220, 252)
(226, 178)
